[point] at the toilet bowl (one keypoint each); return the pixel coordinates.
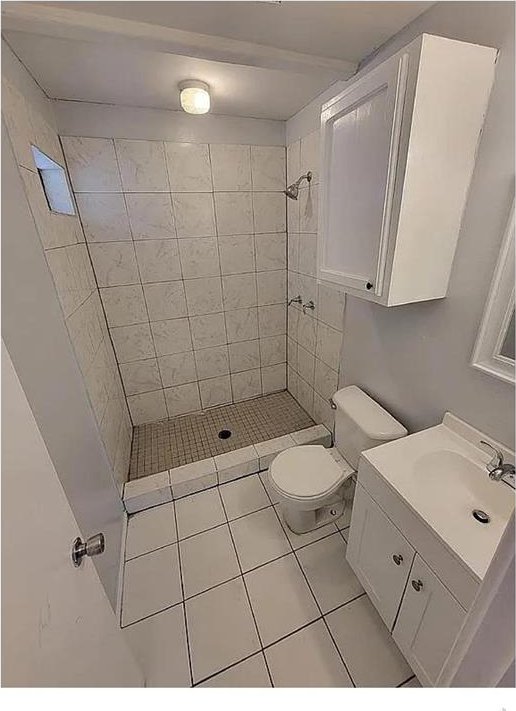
(311, 480)
(308, 480)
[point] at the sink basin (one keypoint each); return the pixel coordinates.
(442, 475)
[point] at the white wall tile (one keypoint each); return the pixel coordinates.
(271, 251)
(114, 263)
(293, 215)
(244, 355)
(273, 350)
(142, 165)
(150, 215)
(236, 254)
(171, 336)
(132, 342)
(269, 212)
(328, 345)
(104, 217)
(307, 254)
(208, 331)
(165, 300)
(215, 391)
(239, 291)
(92, 164)
(203, 296)
(272, 287)
(234, 212)
(158, 260)
(124, 305)
(268, 167)
(246, 384)
(293, 252)
(141, 376)
(308, 209)
(147, 407)
(212, 362)
(305, 395)
(242, 325)
(306, 365)
(331, 306)
(307, 332)
(199, 258)
(274, 378)
(231, 166)
(177, 369)
(326, 380)
(192, 260)
(188, 167)
(182, 399)
(272, 320)
(293, 161)
(194, 213)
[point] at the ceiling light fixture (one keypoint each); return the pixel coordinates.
(194, 97)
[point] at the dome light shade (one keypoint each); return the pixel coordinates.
(194, 97)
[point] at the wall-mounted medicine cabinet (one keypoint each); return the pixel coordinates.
(398, 152)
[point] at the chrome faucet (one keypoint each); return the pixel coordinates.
(296, 300)
(497, 468)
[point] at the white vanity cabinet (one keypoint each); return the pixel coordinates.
(428, 622)
(379, 554)
(423, 616)
(398, 152)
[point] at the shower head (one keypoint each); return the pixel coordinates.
(292, 191)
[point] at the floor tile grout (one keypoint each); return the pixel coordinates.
(247, 591)
(242, 575)
(183, 605)
(318, 605)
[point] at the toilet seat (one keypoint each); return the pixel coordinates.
(306, 472)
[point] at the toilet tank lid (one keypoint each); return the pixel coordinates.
(367, 414)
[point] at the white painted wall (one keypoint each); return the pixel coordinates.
(415, 359)
(80, 118)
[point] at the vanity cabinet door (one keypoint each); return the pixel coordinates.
(428, 623)
(379, 554)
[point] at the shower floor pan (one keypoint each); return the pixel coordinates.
(158, 446)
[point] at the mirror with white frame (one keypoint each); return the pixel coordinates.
(494, 348)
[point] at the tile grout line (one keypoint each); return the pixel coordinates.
(247, 591)
(317, 603)
(183, 605)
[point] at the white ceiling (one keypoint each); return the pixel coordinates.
(344, 30)
(85, 71)
(74, 67)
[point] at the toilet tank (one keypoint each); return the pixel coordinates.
(361, 423)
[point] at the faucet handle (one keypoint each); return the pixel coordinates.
(497, 458)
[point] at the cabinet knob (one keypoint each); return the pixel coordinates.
(369, 285)
(398, 559)
(417, 585)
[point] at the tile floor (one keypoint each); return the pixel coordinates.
(171, 443)
(217, 592)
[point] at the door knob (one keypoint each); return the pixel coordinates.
(398, 559)
(94, 545)
(417, 585)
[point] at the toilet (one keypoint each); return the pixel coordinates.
(311, 480)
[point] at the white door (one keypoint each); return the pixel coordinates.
(360, 133)
(58, 627)
(428, 623)
(379, 554)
